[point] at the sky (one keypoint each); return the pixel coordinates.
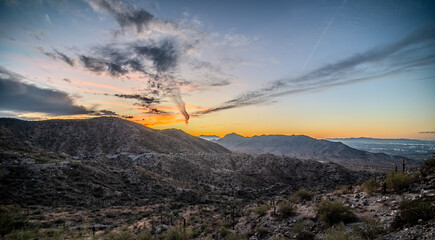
(347, 68)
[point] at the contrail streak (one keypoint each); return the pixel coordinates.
(323, 34)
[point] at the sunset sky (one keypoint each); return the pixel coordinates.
(352, 68)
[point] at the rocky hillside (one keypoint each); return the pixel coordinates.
(207, 196)
(303, 147)
(90, 138)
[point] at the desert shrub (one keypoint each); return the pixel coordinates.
(145, 235)
(262, 209)
(56, 233)
(6, 221)
(398, 180)
(371, 229)
(226, 234)
(10, 220)
(286, 209)
(301, 233)
(412, 211)
(333, 212)
(430, 162)
(22, 235)
(371, 185)
(344, 188)
(262, 231)
(175, 233)
(302, 194)
(122, 235)
(337, 233)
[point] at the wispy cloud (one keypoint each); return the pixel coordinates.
(427, 132)
(125, 15)
(409, 53)
(57, 55)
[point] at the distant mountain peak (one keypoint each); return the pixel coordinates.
(232, 135)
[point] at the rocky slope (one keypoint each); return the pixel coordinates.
(107, 161)
(303, 147)
(90, 138)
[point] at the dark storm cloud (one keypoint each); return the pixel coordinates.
(427, 132)
(125, 15)
(16, 95)
(412, 52)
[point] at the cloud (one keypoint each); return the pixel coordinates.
(156, 56)
(104, 113)
(164, 56)
(16, 95)
(57, 55)
(47, 19)
(93, 64)
(145, 100)
(65, 58)
(427, 132)
(412, 52)
(126, 16)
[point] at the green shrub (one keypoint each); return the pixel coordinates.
(262, 231)
(371, 185)
(6, 221)
(302, 194)
(226, 234)
(175, 233)
(145, 235)
(398, 180)
(122, 235)
(262, 209)
(22, 235)
(371, 229)
(430, 162)
(302, 233)
(333, 212)
(286, 209)
(412, 211)
(337, 233)
(344, 188)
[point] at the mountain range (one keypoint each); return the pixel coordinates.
(304, 147)
(106, 161)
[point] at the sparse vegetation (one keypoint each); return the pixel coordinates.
(262, 209)
(286, 209)
(333, 212)
(301, 232)
(371, 229)
(430, 162)
(413, 211)
(262, 231)
(337, 233)
(398, 180)
(344, 189)
(124, 234)
(303, 194)
(371, 185)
